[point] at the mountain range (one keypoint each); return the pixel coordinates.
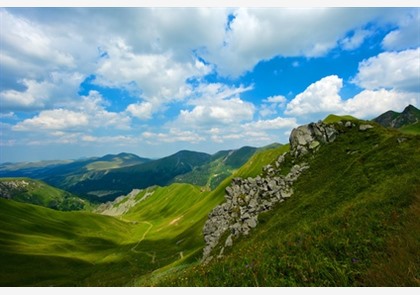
(337, 206)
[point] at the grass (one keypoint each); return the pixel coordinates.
(411, 129)
(39, 193)
(353, 221)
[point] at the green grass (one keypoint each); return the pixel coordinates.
(334, 118)
(411, 129)
(39, 193)
(353, 221)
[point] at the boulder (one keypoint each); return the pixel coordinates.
(364, 127)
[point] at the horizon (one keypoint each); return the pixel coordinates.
(153, 82)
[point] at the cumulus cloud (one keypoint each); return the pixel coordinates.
(261, 34)
(355, 40)
(53, 120)
(397, 70)
(319, 97)
(216, 104)
(56, 89)
(272, 105)
(322, 98)
(407, 33)
(159, 76)
(174, 135)
(89, 113)
(274, 124)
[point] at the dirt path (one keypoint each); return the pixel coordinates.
(142, 238)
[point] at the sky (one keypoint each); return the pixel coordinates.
(81, 82)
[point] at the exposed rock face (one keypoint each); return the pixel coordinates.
(310, 137)
(365, 127)
(247, 198)
(8, 187)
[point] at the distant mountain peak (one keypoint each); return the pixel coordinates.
(410, 115)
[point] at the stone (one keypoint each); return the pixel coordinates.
(314, 144)
(252, 222)
(229, 241)
(365, 127)
(348, 124)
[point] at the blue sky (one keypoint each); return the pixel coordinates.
(79, 82)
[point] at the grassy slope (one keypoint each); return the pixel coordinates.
(411, 129)
(222, 165)
(353, 221)
(39, 193)
(161, 233)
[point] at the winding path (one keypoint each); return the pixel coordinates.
(142, 238)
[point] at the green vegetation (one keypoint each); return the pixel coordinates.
(160, 234)
(222, 165)
(39, 193)
(334, 118)
(353, 221)
(411, 129)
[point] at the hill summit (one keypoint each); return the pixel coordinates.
(410, 115)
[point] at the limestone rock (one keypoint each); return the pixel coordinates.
(364, 127)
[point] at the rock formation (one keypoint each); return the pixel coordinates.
(247, 198)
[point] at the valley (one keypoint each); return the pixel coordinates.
(352, 218)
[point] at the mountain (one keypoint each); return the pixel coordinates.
(352, 219)
(39, 193)
(410, 116)
(349, 217)
(105, 178)
(60, 169)
(221, 165)
(159, 230)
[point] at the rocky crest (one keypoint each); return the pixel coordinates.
(410, 115)
(247, 198)
(8, 187)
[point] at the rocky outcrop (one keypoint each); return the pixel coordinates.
(247, 198)
(122, 204)
(309, 137)
(9, 187)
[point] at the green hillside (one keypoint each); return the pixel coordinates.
(39, 193)
(161, 232)
(353, 221)
(221, 165)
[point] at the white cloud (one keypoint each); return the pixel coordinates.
(174, 135)
(218, 112)
(141, 110)
(407, 34)
(398, 70)
(319, 97)
(273, 124)
(278, 99)
(370, 103)
(354, 41)
(57, 88)
(87, 113)
(261, 34)
(118, 139)
(272, 105)
(322, 98)
(53, 120)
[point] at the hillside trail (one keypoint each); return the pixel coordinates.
(133, 249)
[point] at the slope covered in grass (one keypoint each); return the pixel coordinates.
(161, 233)
(39, 193)
(352, 221)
